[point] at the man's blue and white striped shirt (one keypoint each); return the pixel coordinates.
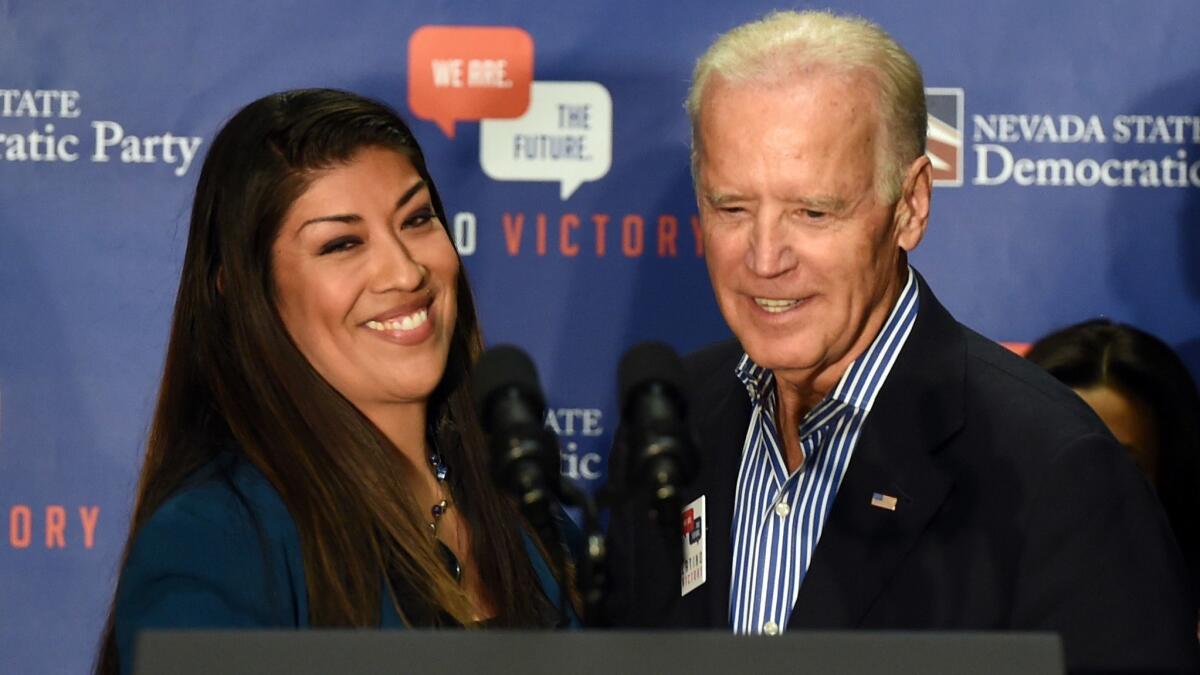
(777, 518)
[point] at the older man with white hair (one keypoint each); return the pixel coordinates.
(868, 462)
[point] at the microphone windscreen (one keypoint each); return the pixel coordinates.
(501, 367)
(649, 362)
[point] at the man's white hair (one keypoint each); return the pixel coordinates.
(782, 44)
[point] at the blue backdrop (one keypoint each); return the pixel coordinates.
(1067, 134)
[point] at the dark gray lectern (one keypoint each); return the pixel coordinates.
(593, 652)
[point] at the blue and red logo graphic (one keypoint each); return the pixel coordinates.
(692, 526)
(944, 136)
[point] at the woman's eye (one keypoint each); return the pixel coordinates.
(419, 218)
(340, 244)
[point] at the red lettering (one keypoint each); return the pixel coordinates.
(568, 222)
(668, 228)
(88, 515)
(512, 232)
(20, 526)
(601, 222)
(633, 235)
(56, 522)
(668, 234)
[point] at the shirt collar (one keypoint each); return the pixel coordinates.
(754, 377)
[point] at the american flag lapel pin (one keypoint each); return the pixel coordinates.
(882, 501)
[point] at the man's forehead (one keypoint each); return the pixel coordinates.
(798, 110)
(815, 119)
(847, 81)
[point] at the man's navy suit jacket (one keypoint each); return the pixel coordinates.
(1016, 510)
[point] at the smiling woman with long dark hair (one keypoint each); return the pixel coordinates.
(314, 458)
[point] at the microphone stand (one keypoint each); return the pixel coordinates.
(591, 577)
(536, 503)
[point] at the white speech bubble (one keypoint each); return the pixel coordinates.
(565, 137)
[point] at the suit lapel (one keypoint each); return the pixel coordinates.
(918, 408)
(720, 434)
(725, 435)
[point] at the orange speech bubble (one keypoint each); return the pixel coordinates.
(469, 73)
(1018, 348)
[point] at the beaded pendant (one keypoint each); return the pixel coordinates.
(440, 472)
(453, 566)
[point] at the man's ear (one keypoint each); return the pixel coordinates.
(912, 210)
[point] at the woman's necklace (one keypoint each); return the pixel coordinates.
(438, 465)
(440, 472)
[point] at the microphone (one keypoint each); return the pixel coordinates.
(660, 455)
(524, 455)
(525, 463)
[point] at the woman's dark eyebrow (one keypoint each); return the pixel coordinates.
(408, 195)
(354, 217)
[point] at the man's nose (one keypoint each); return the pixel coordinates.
(769, 252)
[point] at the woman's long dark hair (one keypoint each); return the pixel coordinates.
(234, 378)
(1137, 364)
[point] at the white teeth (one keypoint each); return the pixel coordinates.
(776, 306)
(410, 322)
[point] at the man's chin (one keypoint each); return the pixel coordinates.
(774, 358)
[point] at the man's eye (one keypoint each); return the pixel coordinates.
(814, 215)
(340, 244)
